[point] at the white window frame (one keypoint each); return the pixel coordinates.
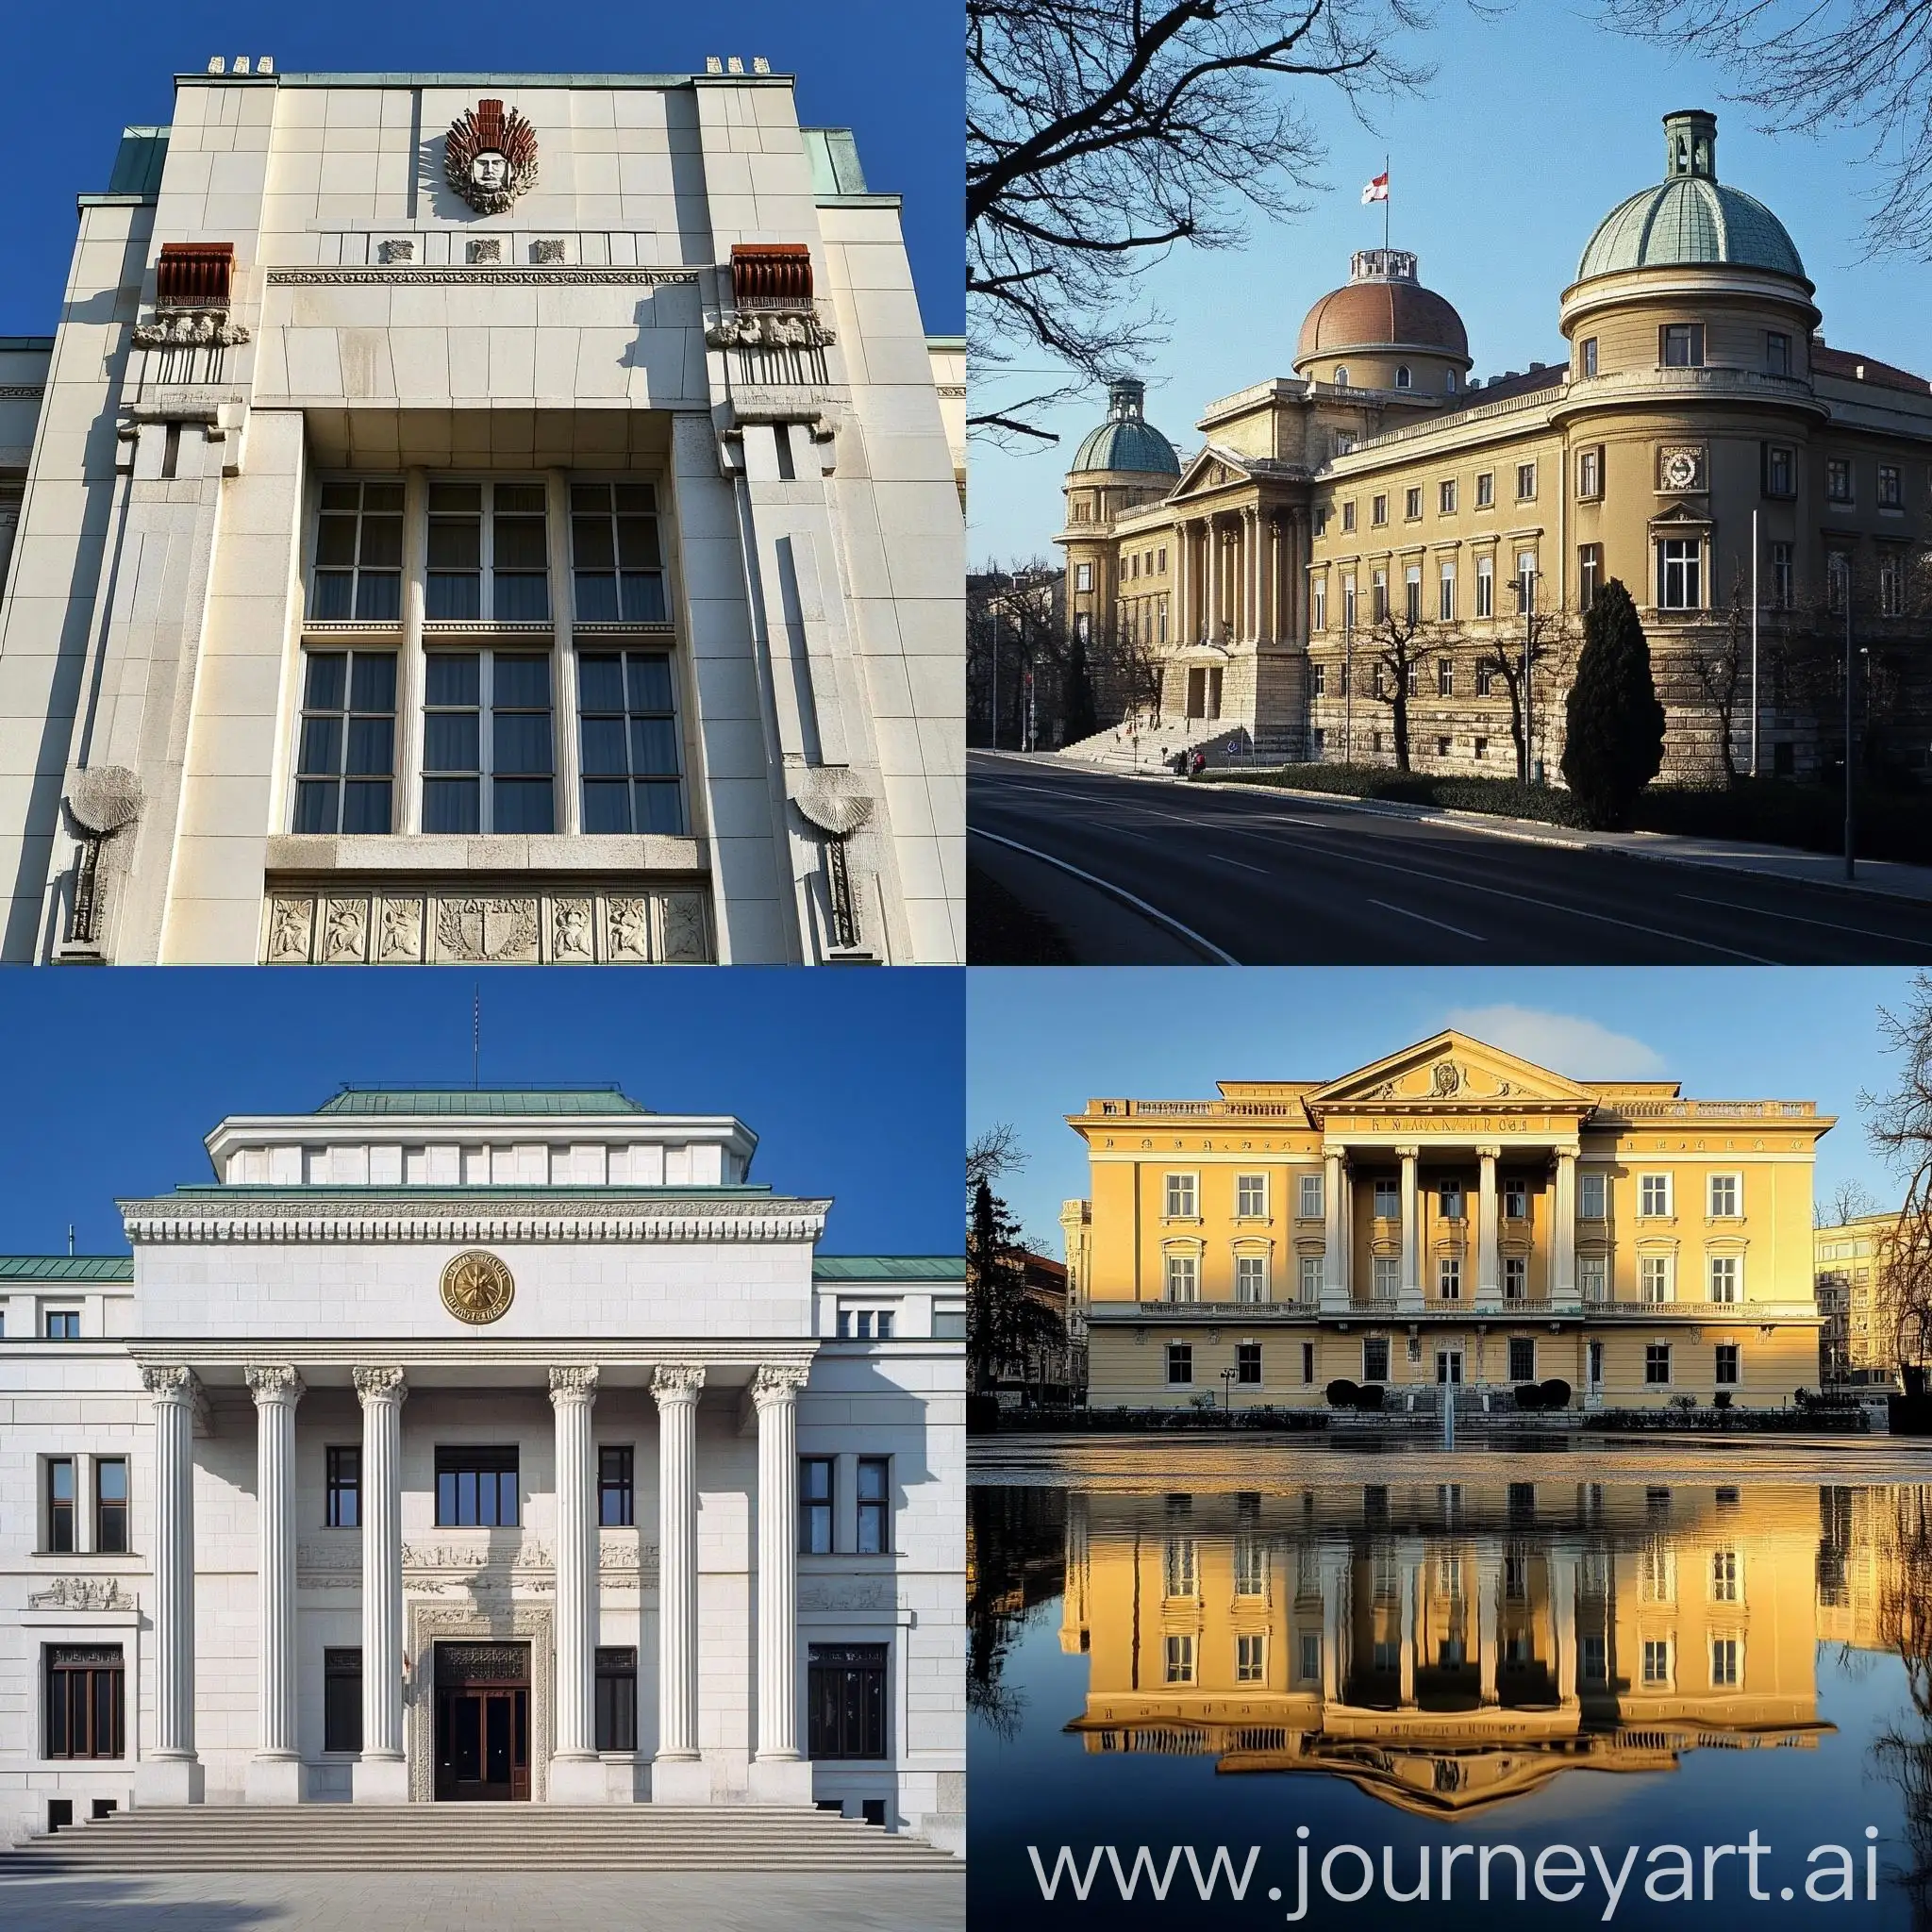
(1516, 1270)
(1251, 1277)
(1660, 1269)
(1445, 595)
(1309, 1204)
(1180, 1271)
(1485, 586)
(1680, 572)
(1449, 1277)
(1308, 1269)
(1251, 1196)
(1727, 1646)
(1731, 1182)
(1593, 1187)
(1178, 1656)
(1592, 1277)
(1724, 1271)
(1384, 1277)
(1180, 1187)
(1653, 1197)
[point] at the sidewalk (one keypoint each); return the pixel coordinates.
(1882, 876)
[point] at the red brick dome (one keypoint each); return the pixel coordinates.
(1382, 307)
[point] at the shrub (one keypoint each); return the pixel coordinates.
(1722, 1399)
(1341, 1393)
(1555, 1393)
(1368, 1396)
(1614, 743)
(1529, 1395)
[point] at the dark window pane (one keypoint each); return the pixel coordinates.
(590, 497)
(373, 683)
(378, 598)
(372, 746)
(382, 543)
(660, 808)
(386, 496)
(451, 598)
(637, 543)
(600, 682)
(590, 544)
(322, 746)
(456, 499)
(114, 1480)
(450, 741)
(637, 497)
(451, 678)
(519, 499)
(643, 598)
(522, 805)
(606, 806)
(315, 805)
(450, 805)
(366, 806)
(653, 747)
(521, 599)
(522, 683)
(334, 593)
(596, 597)
(520, 542)
(650, 683)
(455, 543)
(325, 692)
(604, 748)
(335, 540)
(521, 744)
(341, 495)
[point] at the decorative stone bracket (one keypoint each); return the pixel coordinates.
(102, 801)
(825, 800)
(191, 329)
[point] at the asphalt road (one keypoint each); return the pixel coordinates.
(1235, 878)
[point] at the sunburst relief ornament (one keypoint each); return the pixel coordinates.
(477, 1286)
(489, 156)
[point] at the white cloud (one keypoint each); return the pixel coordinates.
(1567, 1043)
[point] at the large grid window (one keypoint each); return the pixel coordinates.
(1183, 1278)
(1251, 1277)
(86, 1715)
(815, 1504)
(489, 534)
(1523, 1359)
(341, 1700)
(59, 1476)
(1655, 1275)
(346, 766)
(343, 1470)
(875, 1505)
(615, 556)
(629, 725)
(1656, 1364)
(487, 763)
(845, 1695)
(1251, 1195)
(476, 1487)
(1679, 583)
(1681, 346)
(1180, 1196)
(617, 1698)
(1180, 1363)
(110, 1505)
(617, 1491)
(358, 554)
(1376, 1359)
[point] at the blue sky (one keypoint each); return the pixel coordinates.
(1044, 1042)
(891, 71)
(853, 1082)
(1536, 124)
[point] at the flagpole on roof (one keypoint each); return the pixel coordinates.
(1385, 205)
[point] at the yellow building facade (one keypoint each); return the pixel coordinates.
(1452, 1215)
(1855, 1344)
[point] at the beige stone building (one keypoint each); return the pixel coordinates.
(1700, 435)
(1853, 1345)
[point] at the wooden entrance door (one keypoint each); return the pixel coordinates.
(482, 1722)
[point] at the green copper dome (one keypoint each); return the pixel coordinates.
(1690, 218)
(1126, 441)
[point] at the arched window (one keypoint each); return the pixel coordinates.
(1342, 378)
(1403, 378)
(1449, 382)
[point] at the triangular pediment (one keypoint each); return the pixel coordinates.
(1214, 468)
(1450, 1071)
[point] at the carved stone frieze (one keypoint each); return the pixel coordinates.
(480, 272)
(345, 932)
(190, 328)
(800, 327)
(494, 930)
(81, 1593)
(846, 1594)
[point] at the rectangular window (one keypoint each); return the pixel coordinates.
(845, 1699)
(1586, 357)
(874, 1505)
(342, 1469)
(1318, 680)
(1589, 472)
(1780, 469)
(1382, 1278)
(1515, 1277)
(1525, 481)
(58, 1477)
(617, 560)
(1083, 577)
(486, 742)
(1445, 677)
(1183, 1278)
(1485, 682)
(630, 736)
(493, 534)
(86, 1713)
(1682, 345)
(1445, 498)
(1412, 504)
(1783, 582)
(1891, 585)
(1251, 1277)
(1320, 608)
(1590, 1196)
(1310, 1278)
(1724, 1196)
(1590, 1275)
(1309, 1207)
(1726, 1372)
(346, 761)
(1374, 1359)
(1445, 595)
(616, 1487)
(815, 1504)
(1378, 596)
(1725, 1271)
(110, 1504)
(1654, 1195)
(341, 1700)
(1378, 511)
(358, 554)
(1515, 1200)
(1725, 1658)
(617, 1697)
(1307, 1363)
(1653, 1277)
(1248, 1363)
(1388, 1200)
(1891, 487)
(1412, 593)
(1657, 1662)
(1838, 580)
(1485, 489)
(1449, 1198)
(1178, 1658)
(1181, 1197)
(1522, 1358)
(1251, 1657)
(1837, 479)
(1251, 1195)
(1656, 1364)
(1449, 1277)
(1180, 1363)
(62, 1324)
(1347, 517)
(476, 1487)
(1777, 353)
(1485, 586)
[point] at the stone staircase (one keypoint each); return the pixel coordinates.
(471, 1838)
(1224, 744)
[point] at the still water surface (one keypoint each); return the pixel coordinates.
(1485, 1651)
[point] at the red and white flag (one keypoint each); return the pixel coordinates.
(1377, 190)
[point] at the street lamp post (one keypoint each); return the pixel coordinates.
(1228, 1378)
(1851, 829)
(1348, 675)
(1526, 596)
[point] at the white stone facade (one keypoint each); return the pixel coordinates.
(263, 1323)
(741, 741)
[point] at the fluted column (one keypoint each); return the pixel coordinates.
(779, 1775)
(1488, 1288)
(1215, 561)
(1411, 1286)
(1563, 1622)
(1488, 1585)
(1183, 582)
(275, 1773)
(1563, 1231)
(1333, 1233)
(381, 1775)
(576, 1773)
(168, 1773)
(678, 1774)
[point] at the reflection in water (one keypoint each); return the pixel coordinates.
(1015, 1547)
(1901, 1592)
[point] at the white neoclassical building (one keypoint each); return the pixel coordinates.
(508, 518)
(481, 1444)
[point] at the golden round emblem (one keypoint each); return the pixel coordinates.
(477, 1286)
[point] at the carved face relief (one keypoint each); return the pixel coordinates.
(490, 171)
(489, 156)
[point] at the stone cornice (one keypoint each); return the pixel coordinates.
(506, 277)
(442, 1218)
(538, 1354)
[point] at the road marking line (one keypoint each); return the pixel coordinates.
(1167, 918)
(1222, 860)
(1442, 924)
(1864, 932)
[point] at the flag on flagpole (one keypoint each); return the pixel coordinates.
(1377, 190)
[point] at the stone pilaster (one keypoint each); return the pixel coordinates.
(780, 1774)
(275, 1773)
(1335, 1255)
(380, 1774)
(1489, 1284)
(1410, 1287)
(170, 1773)
(1563, 1231)
(576, 1773)
(678, 1774)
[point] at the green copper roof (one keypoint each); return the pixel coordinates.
(1690, 218)
(66, 1267)
(1126, 441)
(473, 1101)
(889, 1268)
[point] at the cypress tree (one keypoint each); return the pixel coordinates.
(1078, 717)
(1614, 727)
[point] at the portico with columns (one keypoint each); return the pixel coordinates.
(489, 1486)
